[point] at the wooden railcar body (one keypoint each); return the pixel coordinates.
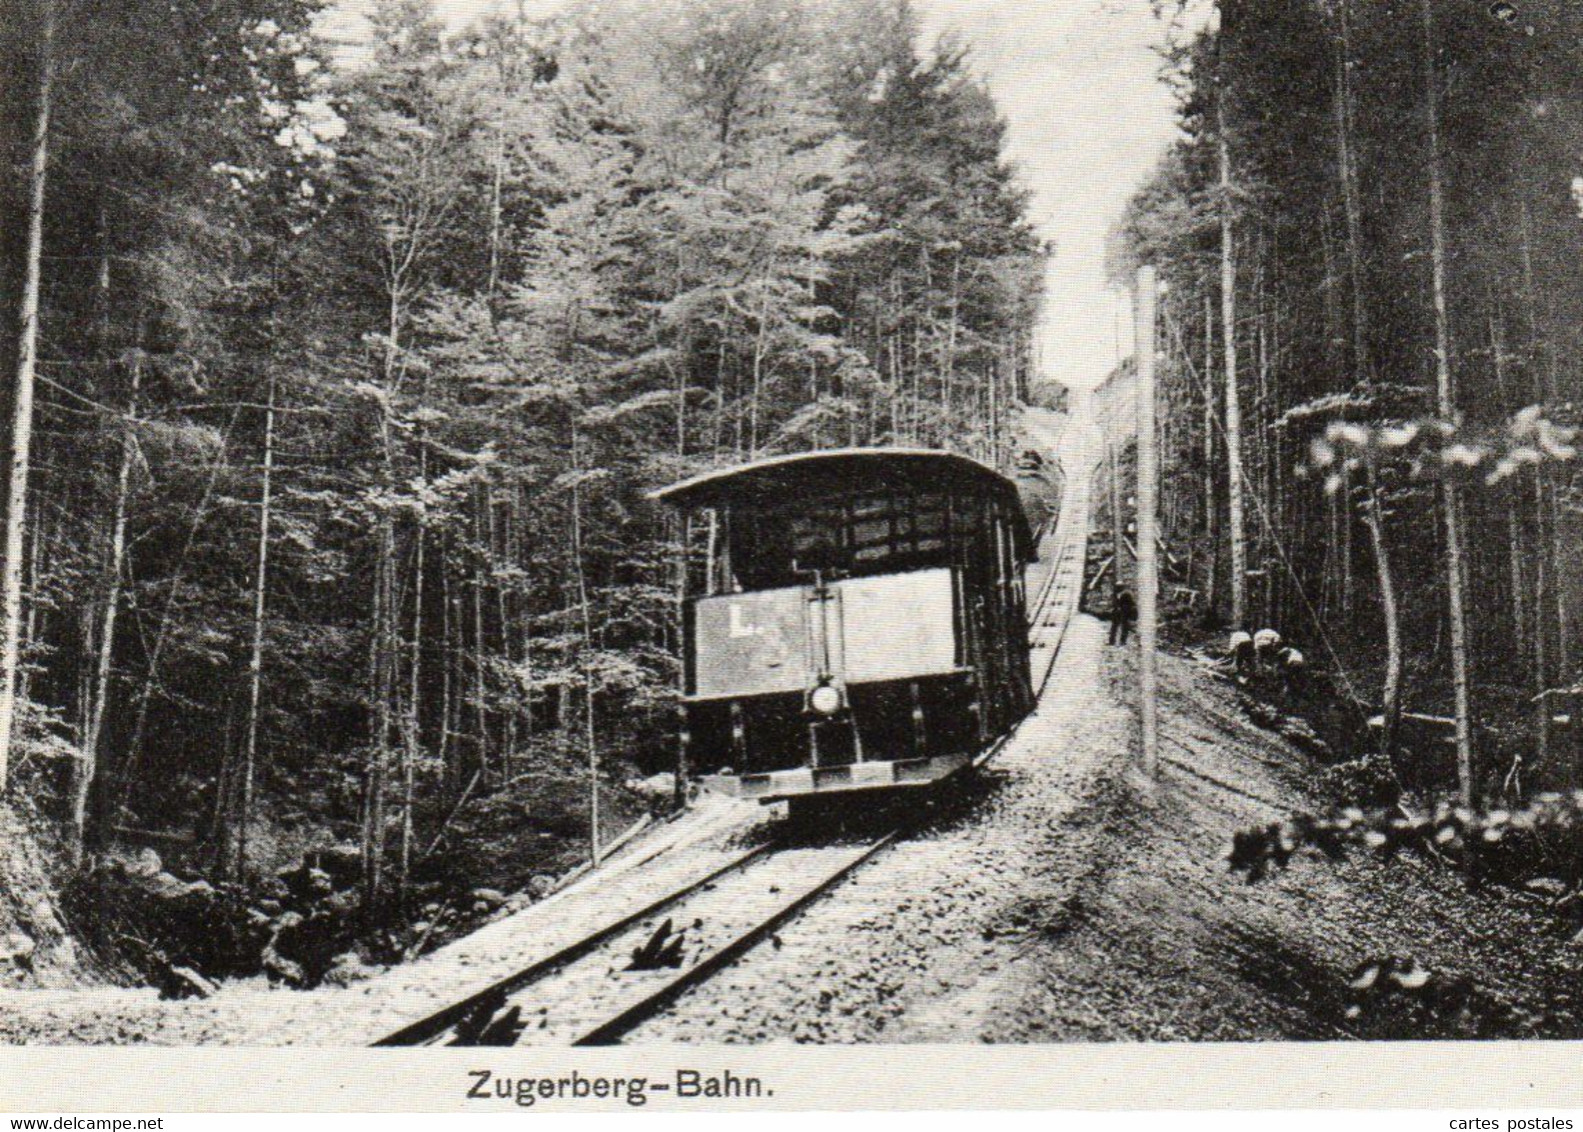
(854, 620)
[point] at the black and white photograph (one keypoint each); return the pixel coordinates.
(697, 523)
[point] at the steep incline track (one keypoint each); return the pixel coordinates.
(593, 991)
(619, 975)
(1077, 445)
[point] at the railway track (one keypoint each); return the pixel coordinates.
(595, 990)
(1062, 591)
(598, 988)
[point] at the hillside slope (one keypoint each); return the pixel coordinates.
(36, 950)
(1162, 942)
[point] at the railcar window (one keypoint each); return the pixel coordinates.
(870, 533)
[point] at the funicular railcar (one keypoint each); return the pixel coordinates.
(854, 620)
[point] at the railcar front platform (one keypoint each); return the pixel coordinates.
(844, 778)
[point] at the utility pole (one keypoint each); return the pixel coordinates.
(1228, 330)
(1148, 502)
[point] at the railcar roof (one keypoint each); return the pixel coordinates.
(844, 470)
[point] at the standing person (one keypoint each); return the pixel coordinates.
(1123, 612)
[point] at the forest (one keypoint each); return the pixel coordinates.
(1368, 234)
(336, 374)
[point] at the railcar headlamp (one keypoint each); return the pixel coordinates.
(825, 699)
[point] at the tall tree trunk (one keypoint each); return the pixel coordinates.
(1228, 330)
(1362, 364)
(717, 426)
(480, 682)
(1211, 512)
(1514, 533)
(680, 368)
(1561, 550)
(255, 657)
(1450, 500)
(448, 677)
(1264, 493)
(1544, 561)
(817, 439)
(1543, 573)
(499, 552)
(91, 758)
(380, 685)
(1390, 692)
(524, 614)
(38, 539)
(16, 399)
(107, 368)
(382, 660)
(760, 352)
(590, 735)
(1347, 171)
(948, 362)
(93, 754)
(411, 739)
(413, 720)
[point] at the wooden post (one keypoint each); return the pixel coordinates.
(1148, 502)
(1228, 333)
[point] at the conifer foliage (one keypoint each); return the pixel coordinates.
(353, 367)
(1380, 200)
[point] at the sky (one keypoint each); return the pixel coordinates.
(1077, 81)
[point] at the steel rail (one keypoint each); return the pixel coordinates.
(610, 1030)
(435, 1024)
(1068, 565)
